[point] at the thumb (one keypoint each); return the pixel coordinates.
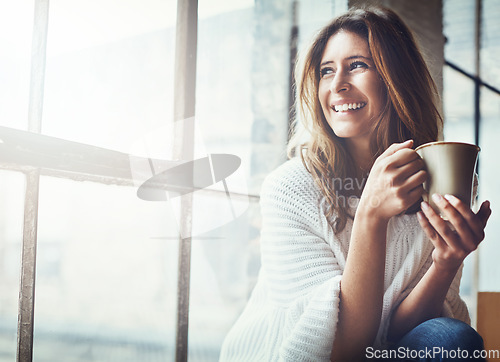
(484, 212)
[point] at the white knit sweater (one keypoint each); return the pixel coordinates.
(292, 313)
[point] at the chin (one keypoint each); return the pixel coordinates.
(343, 133)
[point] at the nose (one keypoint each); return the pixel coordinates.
(340, 83)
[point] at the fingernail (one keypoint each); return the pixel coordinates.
(437, 198)
(424, 205)
(449, 197)
(420, 216)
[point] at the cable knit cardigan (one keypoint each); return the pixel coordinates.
(293, 311)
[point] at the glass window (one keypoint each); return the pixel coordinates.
(16, 24)
(224, 267)
(490, 42)
(459, 98)
(458, 105)
(458, 23)
(109, 71)
(489, 270)
(106, 281)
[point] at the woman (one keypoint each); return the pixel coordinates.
(350, 269)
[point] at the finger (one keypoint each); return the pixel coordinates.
(392, 149)
(442, 228)
(405, 156)
(476, 222)
(484, 212)
(414, 180)
(415, 194)
(409, 164)
(431, 233)
(467, 240)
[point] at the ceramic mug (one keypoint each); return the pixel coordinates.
(450, 167)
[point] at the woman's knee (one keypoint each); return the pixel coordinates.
(460, 334)
(447, 333)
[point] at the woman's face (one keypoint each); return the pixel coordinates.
(350, 92)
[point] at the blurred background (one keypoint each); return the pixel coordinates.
(107, 262)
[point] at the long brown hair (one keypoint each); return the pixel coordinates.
(410, 112)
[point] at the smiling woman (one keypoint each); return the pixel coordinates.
(341, 279)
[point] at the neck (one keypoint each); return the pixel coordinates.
(361, 154)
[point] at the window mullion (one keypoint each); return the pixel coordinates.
(184, 112)
(26, 313)
(28, 269)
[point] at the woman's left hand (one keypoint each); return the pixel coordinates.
(459, 236)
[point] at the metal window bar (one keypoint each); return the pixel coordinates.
(184, 109)
(477, 85)
(28, 264)
(474, 78)
(294, 39)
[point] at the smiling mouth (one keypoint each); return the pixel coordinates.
(348, 107)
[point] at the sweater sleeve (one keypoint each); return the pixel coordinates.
(302, 272)
(292, 313)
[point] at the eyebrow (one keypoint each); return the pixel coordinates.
(348, 58)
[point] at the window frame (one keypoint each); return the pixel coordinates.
(36, 155)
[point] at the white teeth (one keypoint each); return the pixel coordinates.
(348, 106)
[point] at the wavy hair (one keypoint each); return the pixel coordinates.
(410, 110)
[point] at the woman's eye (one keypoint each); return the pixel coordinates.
(326, 71)
(358, 65)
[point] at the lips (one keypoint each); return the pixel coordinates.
(348, 106)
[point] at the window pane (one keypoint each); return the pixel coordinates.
(458, 103)
(490, 42)
(224, 111)
(225, 264)
(109, 72)
(106, 274)
(458, 107)
(458, 27)
(16, 26)
(489, 174)
(12, 188)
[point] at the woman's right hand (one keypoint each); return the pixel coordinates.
(395, 182)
